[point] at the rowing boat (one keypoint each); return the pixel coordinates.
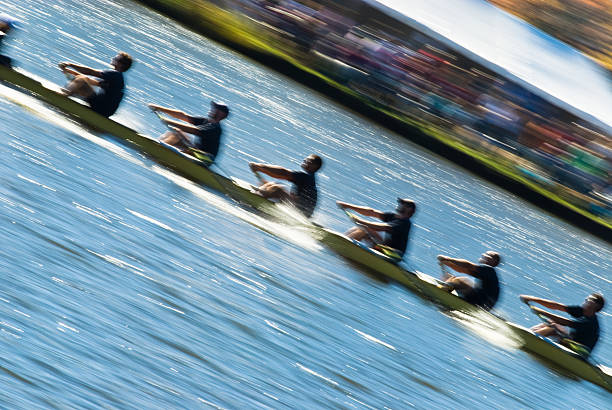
(430, 288)
(186, 165)
(563, 357)
(190, 167)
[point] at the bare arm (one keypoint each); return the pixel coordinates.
(182, 126)
(363, 210)
(460, 265)
(179, 115)
(76, 69)
(272, 170)
(375, 226)
(544, 302)
(555, 318)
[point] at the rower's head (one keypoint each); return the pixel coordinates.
(122, 62)
(312, 163)
(490, 258)
(218, 111)
(405, 207)
(7, 23)
(593, 303)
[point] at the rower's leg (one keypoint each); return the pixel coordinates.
(174, 138)
(6, 61)
(461, 284)
(79, 87)
(360, 234)
(272, 190)
(548, 330)
(356, 233)
(543, 329)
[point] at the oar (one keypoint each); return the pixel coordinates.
(444, 270)
(224, 185)
(199, 154)
(388, 251)
(574, 346)
(445, 276)
(259, 177)
(353, 219)
(539, 313)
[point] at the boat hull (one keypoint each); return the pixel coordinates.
(183, 164)
(563, 357)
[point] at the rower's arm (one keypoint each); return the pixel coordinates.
(182, 126)
(363, 210)
(76, 69)
(274, 171)
(460, 265)
(555, 318)
(178, 114)
(544, 302)
(375, 226)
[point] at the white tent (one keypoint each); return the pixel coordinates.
(515, 50)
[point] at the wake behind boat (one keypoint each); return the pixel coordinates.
(194, 169)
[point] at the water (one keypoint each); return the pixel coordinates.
(126, 286)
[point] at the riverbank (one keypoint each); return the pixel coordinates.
(267, 47)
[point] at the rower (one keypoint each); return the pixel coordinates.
(303, 194)
(583, 332)
(102, 89)
(7, 24)
(396, 225)
(197, 136)
(483, 292)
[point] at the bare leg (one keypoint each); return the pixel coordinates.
(175, 138)
(360, 234)
(272, 190)
(356, 233)
(461, 284)
(547, 330)
(543, 329)
(79, 87)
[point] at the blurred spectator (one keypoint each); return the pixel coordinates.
(407, 72)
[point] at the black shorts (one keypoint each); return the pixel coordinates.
(6, 61)
(479, 298)
(98, 103)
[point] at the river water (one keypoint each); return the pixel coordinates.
(125, 286)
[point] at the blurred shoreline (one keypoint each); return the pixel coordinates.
(440, 121)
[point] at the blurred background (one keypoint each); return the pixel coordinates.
(125, 285)
(527, 104)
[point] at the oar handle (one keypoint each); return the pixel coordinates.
(158, 114)
(539, 313)
(163, 119)
(259, 176)
(349, 214)
(536, 309)
(444, 270)
(353, 219)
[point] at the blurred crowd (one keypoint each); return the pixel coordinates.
(411, 74)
